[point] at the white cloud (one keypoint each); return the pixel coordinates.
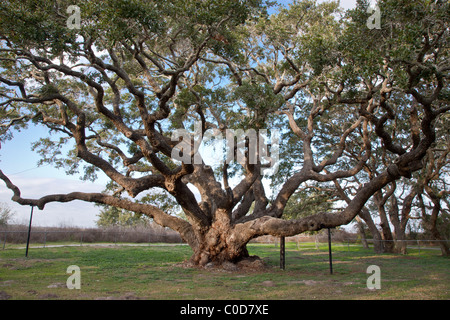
(74, 213)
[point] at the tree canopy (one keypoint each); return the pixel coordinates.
(340, 95)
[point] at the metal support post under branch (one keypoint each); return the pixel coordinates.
(282, 253)
(29, 231)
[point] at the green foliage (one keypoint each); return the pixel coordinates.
(405, 26)
(163, 201)
(111, 216)
(47, 90)
(35, 23)
(114, 217)
(309, 201)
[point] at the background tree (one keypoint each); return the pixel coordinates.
(115, 217)
(112, 216)
(432, 191)
(115, 89)
(395, 205)
(308, 201)
(6, 214)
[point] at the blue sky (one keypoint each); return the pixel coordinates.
(19, 163)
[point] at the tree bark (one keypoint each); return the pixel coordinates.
(219, 242)
(365, 215)
(362, 232)
(377, 240)
(430, 222)
(386, 234)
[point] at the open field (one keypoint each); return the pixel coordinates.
(156, 272)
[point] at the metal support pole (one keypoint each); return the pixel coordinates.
(329, 251)
(29, 231)
(282, 253)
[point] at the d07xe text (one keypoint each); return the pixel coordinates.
(246, 309)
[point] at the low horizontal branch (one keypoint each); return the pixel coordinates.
(159, 216)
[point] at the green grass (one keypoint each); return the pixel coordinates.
(155, 272)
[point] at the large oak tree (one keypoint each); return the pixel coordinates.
(116, 88)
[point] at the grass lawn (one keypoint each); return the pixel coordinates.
(155, 272)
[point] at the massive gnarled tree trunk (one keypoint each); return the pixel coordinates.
(128, 94)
